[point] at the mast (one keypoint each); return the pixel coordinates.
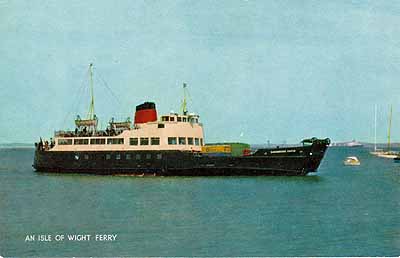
(376, 111)
(184, 102)
(390, 125)
(91, 114)
(88, 125)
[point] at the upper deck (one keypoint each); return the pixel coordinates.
(169, 132)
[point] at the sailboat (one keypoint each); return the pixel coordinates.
(384, 153)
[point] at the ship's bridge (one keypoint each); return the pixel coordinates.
(175, 117)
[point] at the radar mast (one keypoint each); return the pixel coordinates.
(184, 101)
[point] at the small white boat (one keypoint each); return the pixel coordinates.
(351, 161)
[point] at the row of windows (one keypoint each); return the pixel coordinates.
(92, 141)
(64, 141)
(179, 119)
(171, 141)
(138, 156)
(182, 141)
(115, 141)
(172, 118)
(135, 141)
(127, 156)
(144, 141)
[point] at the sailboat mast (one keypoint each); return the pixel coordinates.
(376, 111)
(91, 107)
(390, 125)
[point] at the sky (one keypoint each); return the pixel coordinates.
(256, 70)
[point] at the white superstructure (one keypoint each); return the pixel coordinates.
(170, 132)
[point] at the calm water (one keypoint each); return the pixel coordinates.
(341, 211)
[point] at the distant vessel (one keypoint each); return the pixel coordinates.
(171, 145)
(353, 143)
(384, 153)
(351, 161)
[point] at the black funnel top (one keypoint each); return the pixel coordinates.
(146, 105)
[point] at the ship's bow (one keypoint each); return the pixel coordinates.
(317, 152)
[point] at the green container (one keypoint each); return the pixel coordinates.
(237, 148)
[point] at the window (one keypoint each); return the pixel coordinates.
(128, 156)
(190, 140)
(159, 156)
(155, 141)
(81, 141)
(196, 141)
(182, 140)
(201, 141)
(148, 156)
(144, 141)
(133, 141)
(165, 118)
(98, 141)
(172, 140)
(108, 156)
(64, 141)
(194, 120)
(137, 156)
(184, 119)
(86, 156)
(172, 119)
(118, 156)
(115, 141)
(161, 126)
(179, 119)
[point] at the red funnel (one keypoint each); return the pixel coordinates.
(145, 112)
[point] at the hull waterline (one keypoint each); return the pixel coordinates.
(292, 161)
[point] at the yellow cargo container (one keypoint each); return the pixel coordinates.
(216, 149)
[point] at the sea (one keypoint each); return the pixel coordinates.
(338, 211)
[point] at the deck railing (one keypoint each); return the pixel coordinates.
(87, 134)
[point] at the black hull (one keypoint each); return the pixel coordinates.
(294, 161)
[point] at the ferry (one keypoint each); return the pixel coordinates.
(168, 145)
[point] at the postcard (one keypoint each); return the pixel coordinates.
(180, 128)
